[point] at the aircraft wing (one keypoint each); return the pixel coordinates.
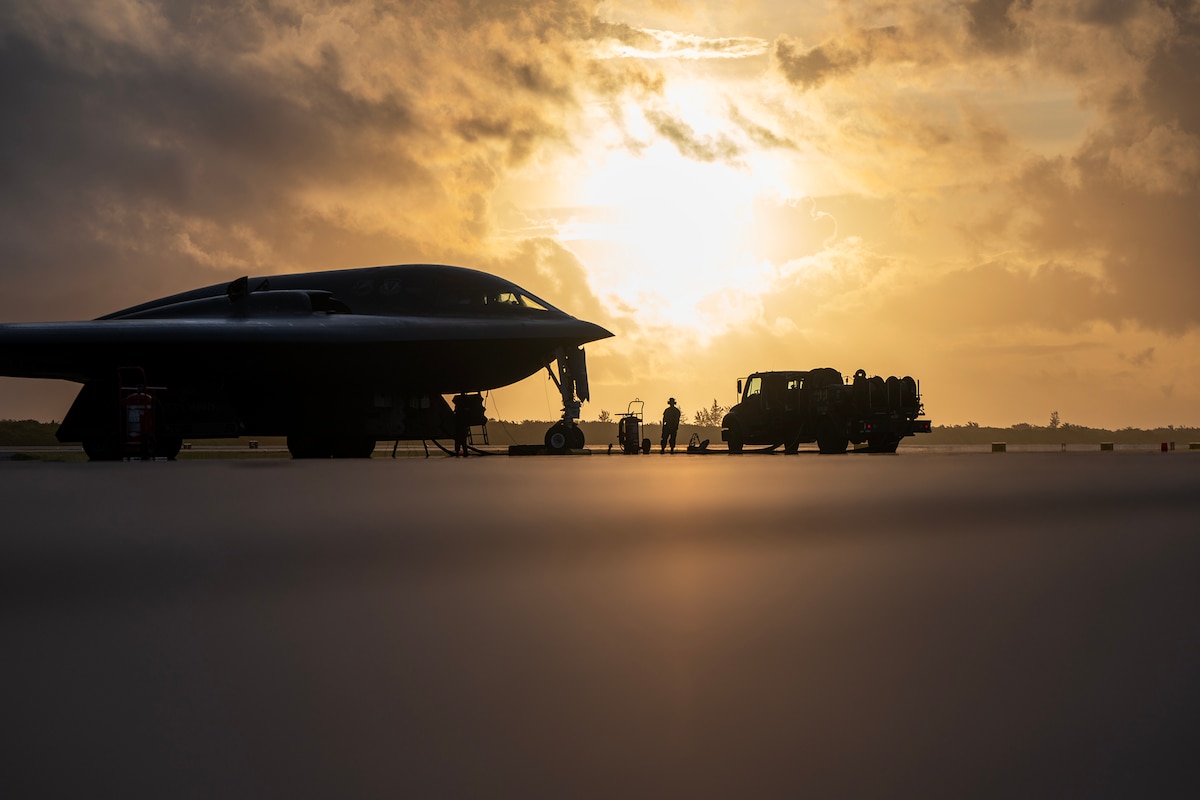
(81, 351)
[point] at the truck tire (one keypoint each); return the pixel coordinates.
(831, 438)
(734, 437)
(882, 444)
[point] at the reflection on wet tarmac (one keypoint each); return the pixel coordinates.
(855, 626)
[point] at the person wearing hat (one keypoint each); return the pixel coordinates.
(670, 426)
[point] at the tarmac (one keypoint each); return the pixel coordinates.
(932, 624)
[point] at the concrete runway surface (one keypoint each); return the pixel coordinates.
(918, 625)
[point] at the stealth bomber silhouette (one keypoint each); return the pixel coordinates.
(335, 361)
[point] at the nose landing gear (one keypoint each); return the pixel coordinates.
(572, 383)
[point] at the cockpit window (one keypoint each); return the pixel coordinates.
(529, 301)
(444, 292)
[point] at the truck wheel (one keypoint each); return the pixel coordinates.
(832, 445)
(883, 444)
(831, 439)
(734, 436)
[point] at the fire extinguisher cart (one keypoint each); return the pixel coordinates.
(629, 429)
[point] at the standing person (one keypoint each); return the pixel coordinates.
(670, 426)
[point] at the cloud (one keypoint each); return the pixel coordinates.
(784, 231)
(160, 148)
(700, 148)
(1142, 359)
(1117, 210)
(625, 41)
(991, 24)
(810, 67)
(760, 134)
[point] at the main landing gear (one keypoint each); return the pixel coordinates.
(572, 383)
(304, 445)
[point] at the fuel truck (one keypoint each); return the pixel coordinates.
(789, 408)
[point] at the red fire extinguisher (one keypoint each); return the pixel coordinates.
(137, 408)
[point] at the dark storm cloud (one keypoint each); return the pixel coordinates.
(168, 145)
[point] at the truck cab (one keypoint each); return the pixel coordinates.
(773, 409)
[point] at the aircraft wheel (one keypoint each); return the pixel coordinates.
(353, 447)
(102, 448)
(556, 438)
(168, 447)
(306, 446)
(575, 438)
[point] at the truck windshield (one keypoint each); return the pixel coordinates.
(753, 387)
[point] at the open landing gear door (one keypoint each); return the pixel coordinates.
(572, 383)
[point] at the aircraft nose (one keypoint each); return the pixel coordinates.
(590, 331)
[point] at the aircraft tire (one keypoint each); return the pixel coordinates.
(168, 447)
(575, 438)
(352, 447)
(557, 438)
(306, 446)
(102, 448)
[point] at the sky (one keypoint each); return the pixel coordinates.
(1000, 198)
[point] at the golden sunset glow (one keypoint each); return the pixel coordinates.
(997, 197)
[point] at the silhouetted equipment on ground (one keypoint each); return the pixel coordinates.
(785, 409)
(629, 429)
(136, 401)
(468, 414)
(334, 361)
